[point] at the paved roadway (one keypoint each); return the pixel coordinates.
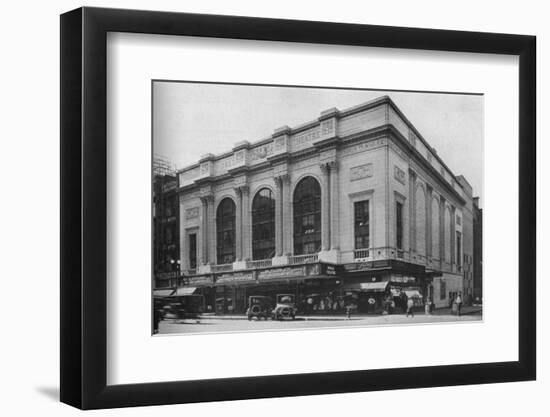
(218, 324)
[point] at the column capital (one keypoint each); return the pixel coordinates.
(325, 167)
(207, 199)
(243, 189)
(281, 179)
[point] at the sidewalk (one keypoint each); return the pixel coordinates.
(468, 310)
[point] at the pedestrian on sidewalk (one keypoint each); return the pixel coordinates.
(428, 306)
(410, 305)
(458, 303)
(348, 312)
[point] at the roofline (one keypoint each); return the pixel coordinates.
(385, 99)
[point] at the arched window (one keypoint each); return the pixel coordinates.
(263, 225)
(225, 230)
(307, 217)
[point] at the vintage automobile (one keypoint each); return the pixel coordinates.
(285, 308)
(179, 307)
(259, 306)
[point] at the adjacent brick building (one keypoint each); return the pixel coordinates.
(354, 207)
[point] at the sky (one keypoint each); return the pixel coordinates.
(192, 119)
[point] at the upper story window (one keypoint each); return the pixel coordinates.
(307, 217)
(399, 225)
(263, 225)
(225, 232)
(458, 249)
(361, 224)
(193, 250)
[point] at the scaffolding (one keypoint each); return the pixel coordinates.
(162, 166)
(165, 218)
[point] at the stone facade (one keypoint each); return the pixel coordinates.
(370, 152)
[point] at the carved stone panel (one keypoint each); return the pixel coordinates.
(361, 171)
(399, 174)
(191, 213)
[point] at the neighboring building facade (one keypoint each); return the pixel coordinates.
(166, 252)
(352, 207)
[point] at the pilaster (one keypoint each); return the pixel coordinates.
(334, 207)
(207, 201)
(246, 224)
(325, 207)
(412, 210)
(238, 224)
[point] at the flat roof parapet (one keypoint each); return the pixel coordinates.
(327, 114)
(207, 157)
(282, 130)
(243, 144)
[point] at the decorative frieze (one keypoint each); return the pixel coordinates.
(327, 127)
(360, 172)
(364, 146)
(300, 140)
(205, 168)
(261, 152)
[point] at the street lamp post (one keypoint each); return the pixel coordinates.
(176, 263)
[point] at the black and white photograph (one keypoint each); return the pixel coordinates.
(278, 208)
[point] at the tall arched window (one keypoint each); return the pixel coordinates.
(225, 230)
(263, 225)
(307, 217)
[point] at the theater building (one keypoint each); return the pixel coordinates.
(350, 208)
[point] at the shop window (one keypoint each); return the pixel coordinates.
(442, 290)
(307, 217)
(225, 228)
(263, 225)
(361, 224)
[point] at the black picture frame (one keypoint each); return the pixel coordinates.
(84, 207)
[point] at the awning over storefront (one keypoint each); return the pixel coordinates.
(367, 286)
(185, 291)
(413, 293)
(163, 293)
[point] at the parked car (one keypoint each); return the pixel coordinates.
(259, 306)
(285, 308)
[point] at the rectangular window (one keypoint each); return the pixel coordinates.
(399, 225)
(458, 248)
(193, 251)
(310, 248)
(361, 223)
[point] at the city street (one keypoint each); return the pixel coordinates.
(216, 324)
